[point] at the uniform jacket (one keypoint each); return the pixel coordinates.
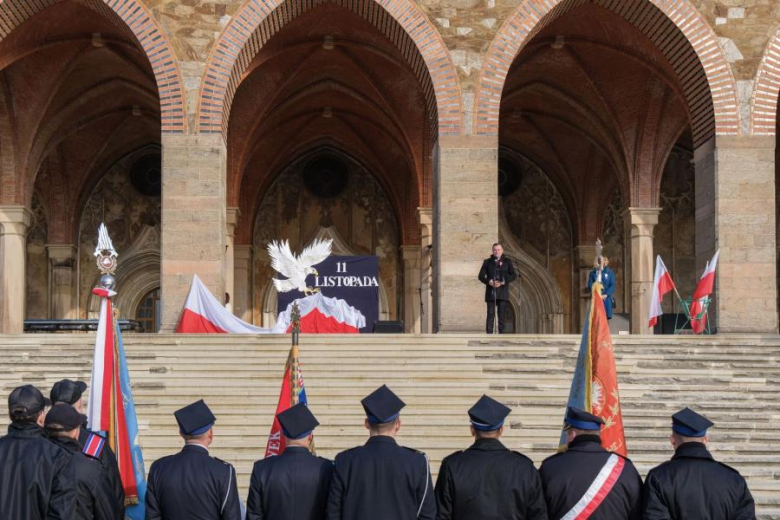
(108, 461)
(693, 486)
(95, 498)
(192, 485)
(291, 486)
(608, 281)
(489, 482)
(381, 481)
(36, 480)
(501, 270)
(567, 476)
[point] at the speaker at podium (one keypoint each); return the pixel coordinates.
(388, 327)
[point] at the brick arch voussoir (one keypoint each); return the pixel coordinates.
(140, 21)
(764, 103)
(531, 16)
(228, 60)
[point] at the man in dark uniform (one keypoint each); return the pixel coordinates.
(192, 485)
(694, 486)
(29, 461)
(487, 481)
(587, 479)
(496, 272)
(95, 498)
(70, 392)
(382, 480)
(295, 484)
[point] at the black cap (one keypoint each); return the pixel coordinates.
(297, 422)
(582, 420)
(688, 423)
(63, 417)
(195, 418)
(67, 391)
(382, 405)
(487, 414)
(27, 400)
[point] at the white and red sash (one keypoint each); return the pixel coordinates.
(598, 490)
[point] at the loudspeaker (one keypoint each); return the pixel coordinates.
(389, 327)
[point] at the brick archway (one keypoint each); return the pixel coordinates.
(688, 41)
(139, 20)
(258, 20)
(763, 113)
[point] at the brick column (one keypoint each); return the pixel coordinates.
(411, 258)
(242, 285)
(425, 218)
(14, 223)
(63, 279)
(231, 219)
(466, 224)
(585, 255)
(640, 223)
(735, 212)
(193, 219)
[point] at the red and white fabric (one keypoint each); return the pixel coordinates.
(320, 314)
(102, 380)
(598, 490)
(204, 314)
(703, 289)
(662, 284)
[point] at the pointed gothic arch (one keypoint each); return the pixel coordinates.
(763, 105)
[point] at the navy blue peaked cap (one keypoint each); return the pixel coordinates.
(297, 421)
(690, 424)
(67, 391)
(488, 415)
(582, 420)
(382, 405)
(195, 418)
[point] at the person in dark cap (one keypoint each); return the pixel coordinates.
(192, 485)
(295, 484)
(692, 485)
(94, 494)
(29, 461)
(382, 480)
(586, 477)
(70, 392)
(487, 480)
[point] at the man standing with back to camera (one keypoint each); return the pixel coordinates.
(496, 273)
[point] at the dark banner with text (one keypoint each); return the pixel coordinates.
(354, 279)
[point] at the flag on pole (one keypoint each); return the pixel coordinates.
(662, 284)
(703, 289)
(594, 387)
(292, 393)
(111, 406)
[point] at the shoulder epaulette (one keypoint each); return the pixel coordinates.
(222, 461)
(94, 445)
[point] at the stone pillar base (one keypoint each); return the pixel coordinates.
(63, 278)
(242, 285)
(640, 223)
(411, 258)
(585, 255)
(425, 216)
(14, 223)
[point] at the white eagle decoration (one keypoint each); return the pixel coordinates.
(297, 268)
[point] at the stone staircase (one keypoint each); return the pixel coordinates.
(734, 380)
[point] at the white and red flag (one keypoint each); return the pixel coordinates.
(662, 284)
(703, 289)
(204, 314)
(292, 393)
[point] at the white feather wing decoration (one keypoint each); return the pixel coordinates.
(317, 252)
(284, 262)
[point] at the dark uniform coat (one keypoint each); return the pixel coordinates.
(36, 479)
(489, 482)
(608, 283)
(108, 461)
(502, 270)
(694, 486)
(95, 498)
(192, 485)
(291, 486)
(381, 481)
(567, 476)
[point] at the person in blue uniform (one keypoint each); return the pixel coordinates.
(192, 485)
(487, 480)
(295, 484)
(70, 392)
(586, 477)
(608, 283)
(692, 485)
(382, 480)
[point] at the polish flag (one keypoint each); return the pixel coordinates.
(662, 284)
(203, 314)
(703, 289)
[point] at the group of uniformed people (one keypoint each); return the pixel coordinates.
(380, 480)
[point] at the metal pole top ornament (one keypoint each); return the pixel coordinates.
(106, 257)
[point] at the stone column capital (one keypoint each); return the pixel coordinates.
(62, 255)
(231, 220)
(585, 254)
(411, 255)
(425, 216)
(642, 221)
(15, 220)
(242, 252)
